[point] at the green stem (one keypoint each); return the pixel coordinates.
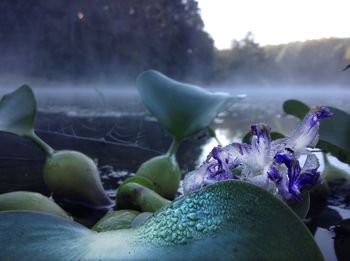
(143, 197)
(213, 135)
(325, 159)
(173, 147)
(42, 144)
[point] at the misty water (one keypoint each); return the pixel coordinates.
(115, 118)
(112, 126)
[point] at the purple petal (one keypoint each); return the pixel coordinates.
(311, 163)
(293, 172)
(298, 179)
(195, 179)
(280, 181)
(306, 134)
(308, 179)
(275, 175)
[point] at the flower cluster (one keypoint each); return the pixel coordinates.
(273, 165)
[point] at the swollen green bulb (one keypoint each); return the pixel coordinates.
(146, 199)
(165, 174)
(73, 175)
(31, 201)
(115, 220)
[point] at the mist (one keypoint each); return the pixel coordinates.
(108, 43)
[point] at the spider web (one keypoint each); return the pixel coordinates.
(123, 129)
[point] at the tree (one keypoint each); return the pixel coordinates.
(104, 38)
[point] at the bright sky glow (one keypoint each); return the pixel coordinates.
(275, 21)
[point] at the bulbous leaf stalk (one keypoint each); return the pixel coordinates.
(70, 174)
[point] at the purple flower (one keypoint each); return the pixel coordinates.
(272, 165)
(298, 179)
(305, 135)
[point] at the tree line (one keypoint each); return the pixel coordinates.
(115, 40)
(103, 38)
(318, 62)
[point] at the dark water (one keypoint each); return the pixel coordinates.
(113, 127)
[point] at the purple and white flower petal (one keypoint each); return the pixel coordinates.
(208, 173)
(306, 134)
(280, 180)
(298, 179)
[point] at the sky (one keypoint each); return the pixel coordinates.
(275, 21)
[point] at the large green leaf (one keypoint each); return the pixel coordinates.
(334, 132)
(17, 111)
(17, 114)
(228, 220)
(296, 108)
(181, 108)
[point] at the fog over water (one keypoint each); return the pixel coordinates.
(116, 98)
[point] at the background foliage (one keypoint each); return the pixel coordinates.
(116, 40)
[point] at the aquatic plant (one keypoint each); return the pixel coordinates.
(273, 165)
(228, 220)
(234, 201)
(333, 140)
(183, 110)
(70, 174)
(334, 133)
(31, 201)
(116, 220)
(333, 174)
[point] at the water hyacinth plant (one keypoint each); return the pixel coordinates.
(272, 165)
(335, 140)
(232, 202)
(70, 174)
(31, 201)
(183, 110)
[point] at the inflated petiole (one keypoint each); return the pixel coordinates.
(164, 172)
(140, 196)
(183, 110)
(30, 201)
(67, 173)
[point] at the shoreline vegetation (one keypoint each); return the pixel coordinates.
(110, 42)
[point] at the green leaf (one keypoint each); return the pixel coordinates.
(17, 111)
(333, 174)
(17, 114)
(116, 220)
(24, 200)
(229, 220)
(342, 240)
(182, 109)
(296, 108)
(301, 208)
(334, 132)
